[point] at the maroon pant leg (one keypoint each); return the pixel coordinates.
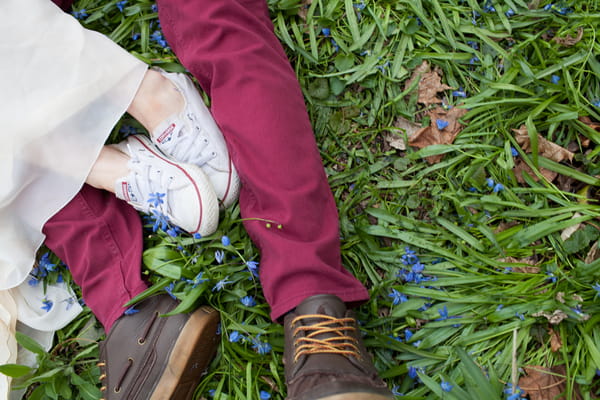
(100, 238)
(230, 47)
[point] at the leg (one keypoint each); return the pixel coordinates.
(230, 47)
(100, 238)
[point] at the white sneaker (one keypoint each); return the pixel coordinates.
(193, 137)
(175, 193)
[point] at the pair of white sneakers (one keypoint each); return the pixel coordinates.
(183, 173)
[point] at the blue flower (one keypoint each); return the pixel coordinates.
(500, 307)
(520, 315)
(360, 6)
(490, 182)
(169, 289)
(174, 231)
(157, 36)
(326, 32)
(197, 235)
(335, 45)
(441, 124)
(459, 93)
(409, 257)
(473, 44)
(161, 221)
(395, 391)
(489, 7)
(498, 187)
(198, 279)
(412, 372)
(514, 151)
(264, 395)
(417, 267)
(446, 386)
(47, 304)
(510, 13)
(45, 263)
(225, 241)
(135, 36)
(80, 14)
(59, 278)
(131, 310)
(121, 5)
(408, 334)
(154, 8)
(596, 287)
(260, 347)
(248, 301)
(551, 276)
(235, 337)
(555, 79)
(596, 103)
(33, 282)
(156, 199)
(252, 267)
(474, 60)
(221, 284)
(219, 256)
(397, 297)
(509, 391)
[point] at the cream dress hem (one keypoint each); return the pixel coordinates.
(63, 89)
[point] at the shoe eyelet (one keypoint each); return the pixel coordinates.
(117, 389)
(206, 140)
(141, 341)
(214, 154)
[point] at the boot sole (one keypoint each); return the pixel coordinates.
(193, 351)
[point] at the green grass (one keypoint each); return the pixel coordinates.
(472, 241)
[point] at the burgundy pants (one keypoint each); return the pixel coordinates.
(230, 47)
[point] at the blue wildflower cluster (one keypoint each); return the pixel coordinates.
(414, 270)
(496, 187)
(80, 14)
(558, 9)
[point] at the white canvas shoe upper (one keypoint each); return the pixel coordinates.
(192, 136)
(172, 192)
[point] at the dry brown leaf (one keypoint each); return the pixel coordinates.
(407, 127)
(522, 167)
(593, 254)
(555, 340)
(303, 10)
(545, 147)
(555, 318)
(431, 135)
(569, 231)
(526, 270)
(569, 40)
(395, 141)
(560, 297)
(417, 73)
(594, 125)
(429, 86)
(540, 384)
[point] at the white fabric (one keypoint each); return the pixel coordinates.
(62, 88)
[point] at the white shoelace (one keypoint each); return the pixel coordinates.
(189, 146)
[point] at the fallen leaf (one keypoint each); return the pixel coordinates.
(395, 141)
(555, 340)
(555, 318)
(545, 147)
(522, 167)
(417, 73)
(527, 270)
(303, 10)
(542, 383)
(594, 125)
(593, 254)
(560, 297)
(569, 40)
(567, 232)
(407, 127)
(431, 134)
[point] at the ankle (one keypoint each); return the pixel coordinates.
(156, 99)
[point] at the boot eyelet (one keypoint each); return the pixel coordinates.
(117, 389)
(141, 341)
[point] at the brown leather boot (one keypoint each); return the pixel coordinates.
(324, 355)
(149, 357)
